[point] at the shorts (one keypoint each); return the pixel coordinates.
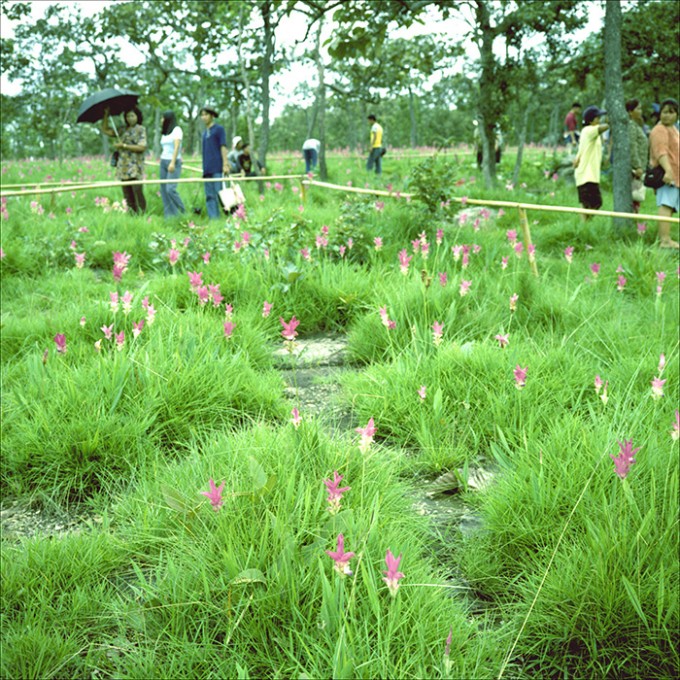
(589, 196)
(668, 195)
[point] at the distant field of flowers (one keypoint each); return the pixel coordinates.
(229, 531)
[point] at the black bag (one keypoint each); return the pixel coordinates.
(383, 151)
(114, 159)
(653, 177)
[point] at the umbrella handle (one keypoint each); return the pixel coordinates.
(113, 124)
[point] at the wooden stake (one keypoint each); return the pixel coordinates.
(524, 223)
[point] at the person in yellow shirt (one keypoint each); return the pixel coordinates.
(588, 160)
(377, 151)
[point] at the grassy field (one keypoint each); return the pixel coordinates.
(140, 390)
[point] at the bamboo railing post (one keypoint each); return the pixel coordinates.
(524, 224)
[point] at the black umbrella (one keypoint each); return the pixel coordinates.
(92, 109)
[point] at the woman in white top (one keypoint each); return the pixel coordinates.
(171, 163)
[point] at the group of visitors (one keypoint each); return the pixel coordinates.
(661, 150)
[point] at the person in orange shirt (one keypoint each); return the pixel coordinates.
(664, 144)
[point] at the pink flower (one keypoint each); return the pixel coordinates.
(511, 235)
(203, 295)
(392, 575)
(641, 228)
(217, 297)
(296, 419)
(137, 328)
(83, 321)
(278, 186)
(305, 254)
(619, 269)
(657, 388)
(127, 302)
(350, 243)
(604, 396)
(462, 218)
(662, 362)
(229, 328)
(2, 254)
(504, 263)
(598, 384)
(325, 229)
(531, 252)
(80, 259)
(464, 288)
(341, 558)
(501, 212)
(228, 311)
(447, 651)
(520, 376)
(660, 278)
(675, 430)
(266, 309)
(503, 340)
(439, 237)
(377, 243)
(289, 332)
(415, 245)
(519, 249)
(60, 342)
(404, 261)
(380, 206)
(113, 302)
(422, 392)
(173, 256)
(118, 271)
(625, 459)
(108, 331)
(367, 433)
(437, 332)
(595, 269)
(195, 279)
(214, 495)
(342, 250)
(240, 212)
(621, 283)
(464, 200)
(569, 254)
(120, 340)
(513, 302)
(335, 492)
(456, 250)
(237, 246)
(206, 257)
(443, 279)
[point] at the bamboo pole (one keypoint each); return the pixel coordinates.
(524, 224)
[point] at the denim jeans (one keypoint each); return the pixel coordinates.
(311, 158)
(172, 203)
(212, 200)
(375, 158)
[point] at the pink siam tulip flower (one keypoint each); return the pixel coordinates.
(127, 302)
(392, 575)
(321, 241)
(60, 342)
(305, 254)
(83, 321)
(246, 238)
(80, 259)
(173, 256)
(621, 283)
(443, 279)
(416, 245)
(214, 495)
(118, 271)
(266, 254)
(228, 328)
(206, 257)
(266, 309)
(675, 430)
(404, 261)
(137, 328)
(657, 388)
(341, 558)
(98, 345)
(456, 250)
(186, 241)
(569, 254)
(437, 332)
(228, 311)
(217, 297)
(484, 214)
(520, 377)
(447, 651)
(464, 288)
(383, 315)
(501, 212)
(120, 340)
(107, 331)
(391, 325)
(604, 396)
(464, 200)
(195, 279)
(377, 243)
(504, 263)
(598, 384)
(424, 249)
(325, 230)
(462, 218)
(662, 362)
(237, 246)
(595, 269)
(278, 186)
(513, 302)
(422, 392)
(335, 492)
(625, 459)
(289, 332)
(511, 235)
(367, 433)
(475, 225)
(113, 302)
(342, 250)
(350, 243)
(203, 295)
(620, 269)
(519, 249)
(476, 248)
(503, 340)
(439, 237)
(296, 419)
(2, 254)
(301, 208)
(240, 212)
(380, 206)
(660, 278)
(641, 228)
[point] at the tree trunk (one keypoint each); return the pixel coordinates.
(613, 84)
(321, 102)
(487, 93)
(412, 114)
(157, 133)
(266, 70)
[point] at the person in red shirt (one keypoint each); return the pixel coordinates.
(571, 120)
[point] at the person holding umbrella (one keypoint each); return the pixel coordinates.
(131, 146)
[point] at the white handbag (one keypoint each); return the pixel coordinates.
(638, 191)
(231, 197)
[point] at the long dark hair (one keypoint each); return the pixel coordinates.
(140, 117)
(169, 122)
